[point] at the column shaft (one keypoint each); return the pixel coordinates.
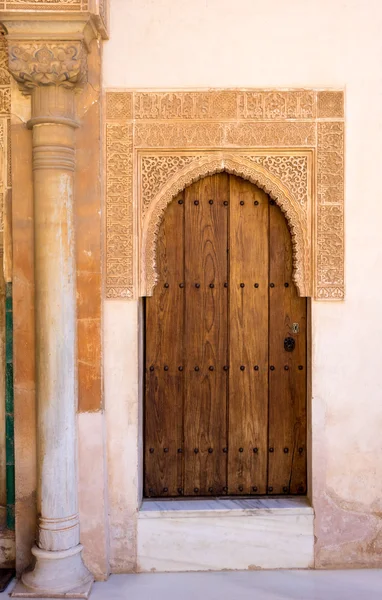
(56, 378)
(59, 568)
(50, 71)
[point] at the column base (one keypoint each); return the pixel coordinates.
(55, 575)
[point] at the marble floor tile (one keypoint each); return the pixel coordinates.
(255, 585)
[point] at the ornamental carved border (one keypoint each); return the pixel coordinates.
(289, 143)
(5, 129)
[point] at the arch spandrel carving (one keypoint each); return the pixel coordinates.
(293, 138)
(296, 213)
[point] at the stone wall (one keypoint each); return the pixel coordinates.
(224, 44)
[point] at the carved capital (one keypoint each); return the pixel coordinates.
(60, 64)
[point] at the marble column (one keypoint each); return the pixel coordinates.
(51, 72)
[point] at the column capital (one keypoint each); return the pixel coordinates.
(35, 64)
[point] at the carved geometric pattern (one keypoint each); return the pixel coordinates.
(330, 159)
(291, 170)
(330, 251)
(279, 134)
(277, 105)
(156, 171)
(5, 138)
(119, 105)
(225, 104)
(330, 213)
(276, 139)
(330, 105)
(3, 154)
(5, 77)
(179, 135)
(241, 166)
(119, 211)
(5, 100)
(212, 135)
(186, 105)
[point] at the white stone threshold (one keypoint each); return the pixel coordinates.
(232, 507)
(225, 534)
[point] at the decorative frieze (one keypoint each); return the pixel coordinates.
(261, 134)
(225, 104)
(5, 138)
(119, 211)
(290, 143)
(276, 105)
(185, 105)
(179, 135)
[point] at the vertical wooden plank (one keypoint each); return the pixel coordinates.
(165, 361)
(205, 420)
(287, 380)
(248, 346)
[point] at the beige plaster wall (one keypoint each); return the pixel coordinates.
(273, 43)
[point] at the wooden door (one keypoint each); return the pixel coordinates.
(225, 349)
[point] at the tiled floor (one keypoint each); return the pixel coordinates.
(253, 585)
(248, 585)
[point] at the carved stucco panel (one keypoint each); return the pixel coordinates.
(220, 135)
(292, 170)
(279, 134)
(156, 171)
(179, 135)
(5, 138)
(3, 154)
(242, 166)
(330, 211)
(277, 105)
(274, 132)
(226, 104)
(119, 211)
(330, 104)
(186, 105)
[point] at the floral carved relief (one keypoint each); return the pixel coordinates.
(5, 123)
(291, 170)
(289, 143)
(242, 166)
(155, 173)
(330, 105)
(277, 105)
(119, 215)
(62, 64)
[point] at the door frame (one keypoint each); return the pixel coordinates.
(152, 138)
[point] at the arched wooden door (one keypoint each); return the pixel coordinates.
(225, 349)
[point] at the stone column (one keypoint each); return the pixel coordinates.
(51, 72)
